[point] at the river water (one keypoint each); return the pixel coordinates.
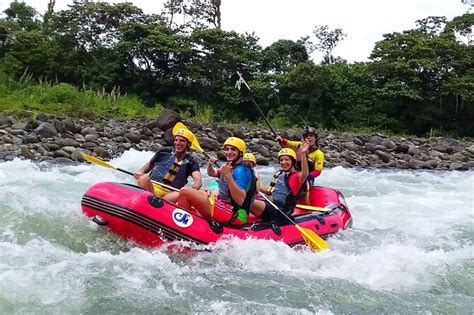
(410, 251)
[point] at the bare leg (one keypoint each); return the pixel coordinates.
(191, 197)
(257, 207)
(144, 182)
(171, 196)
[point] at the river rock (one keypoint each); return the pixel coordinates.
(79, 138)
(447, 146)
(222, 134)
(108, 138)
(239, 133)
(388, 144)
(458, 167)
(26, 152)
(167, 119)
(383, 156)
(61, 153)
(351, 146)
(70, 126)
(133, 137)
(58, 125)
(413, 151)
(91, 137)
(102, 152)
(5, 121)
(30, 139)
(42, 117)
(470, 149)
(261, 160)
(19, 125)
(211, 135)
(88, 145)
(375, 139)
(46, 130)
(208, 143)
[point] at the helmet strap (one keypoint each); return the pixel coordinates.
(239, 158)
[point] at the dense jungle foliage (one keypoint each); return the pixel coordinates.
(100, 58)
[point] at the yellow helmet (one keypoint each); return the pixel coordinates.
(185, 133)
(288, 152)
(236, 142)
(250, 157)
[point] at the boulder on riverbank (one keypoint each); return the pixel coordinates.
(61, 139)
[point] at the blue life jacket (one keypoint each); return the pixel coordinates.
(282, 195)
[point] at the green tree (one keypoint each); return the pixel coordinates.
(195, 14)
(303, 95)
(412, 70)
(216, 56)
(154, 58)
(282, 56)
(327, 40)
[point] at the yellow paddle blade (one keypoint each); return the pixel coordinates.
(313, 240)
(95, 160)
(195, 144)
(308, 207)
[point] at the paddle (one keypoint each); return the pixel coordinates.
(239, 83)
(313, 240)
(100, 162)
(313, 208)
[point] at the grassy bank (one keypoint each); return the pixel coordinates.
(23, 96)
(26, 97)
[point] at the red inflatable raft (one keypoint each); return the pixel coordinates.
(136, 214)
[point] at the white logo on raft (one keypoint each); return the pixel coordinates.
(181, 218)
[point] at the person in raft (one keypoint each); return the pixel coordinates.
(236, 186)
(315, 156)
(171, 166)
(251, 161)
(285, 188)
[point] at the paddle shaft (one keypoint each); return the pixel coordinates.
(313, 240)
(261, 113)
(238, 86)
(276, 207)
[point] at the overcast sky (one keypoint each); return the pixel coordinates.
(364, 21)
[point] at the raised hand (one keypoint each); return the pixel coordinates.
(304, 147)
(225, 170)
(213, 159)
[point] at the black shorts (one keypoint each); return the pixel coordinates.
(270, 214)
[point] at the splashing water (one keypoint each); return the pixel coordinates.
(410, 251)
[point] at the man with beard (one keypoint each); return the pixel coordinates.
(171, 166)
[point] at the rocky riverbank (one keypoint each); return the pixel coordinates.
(61, 140)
